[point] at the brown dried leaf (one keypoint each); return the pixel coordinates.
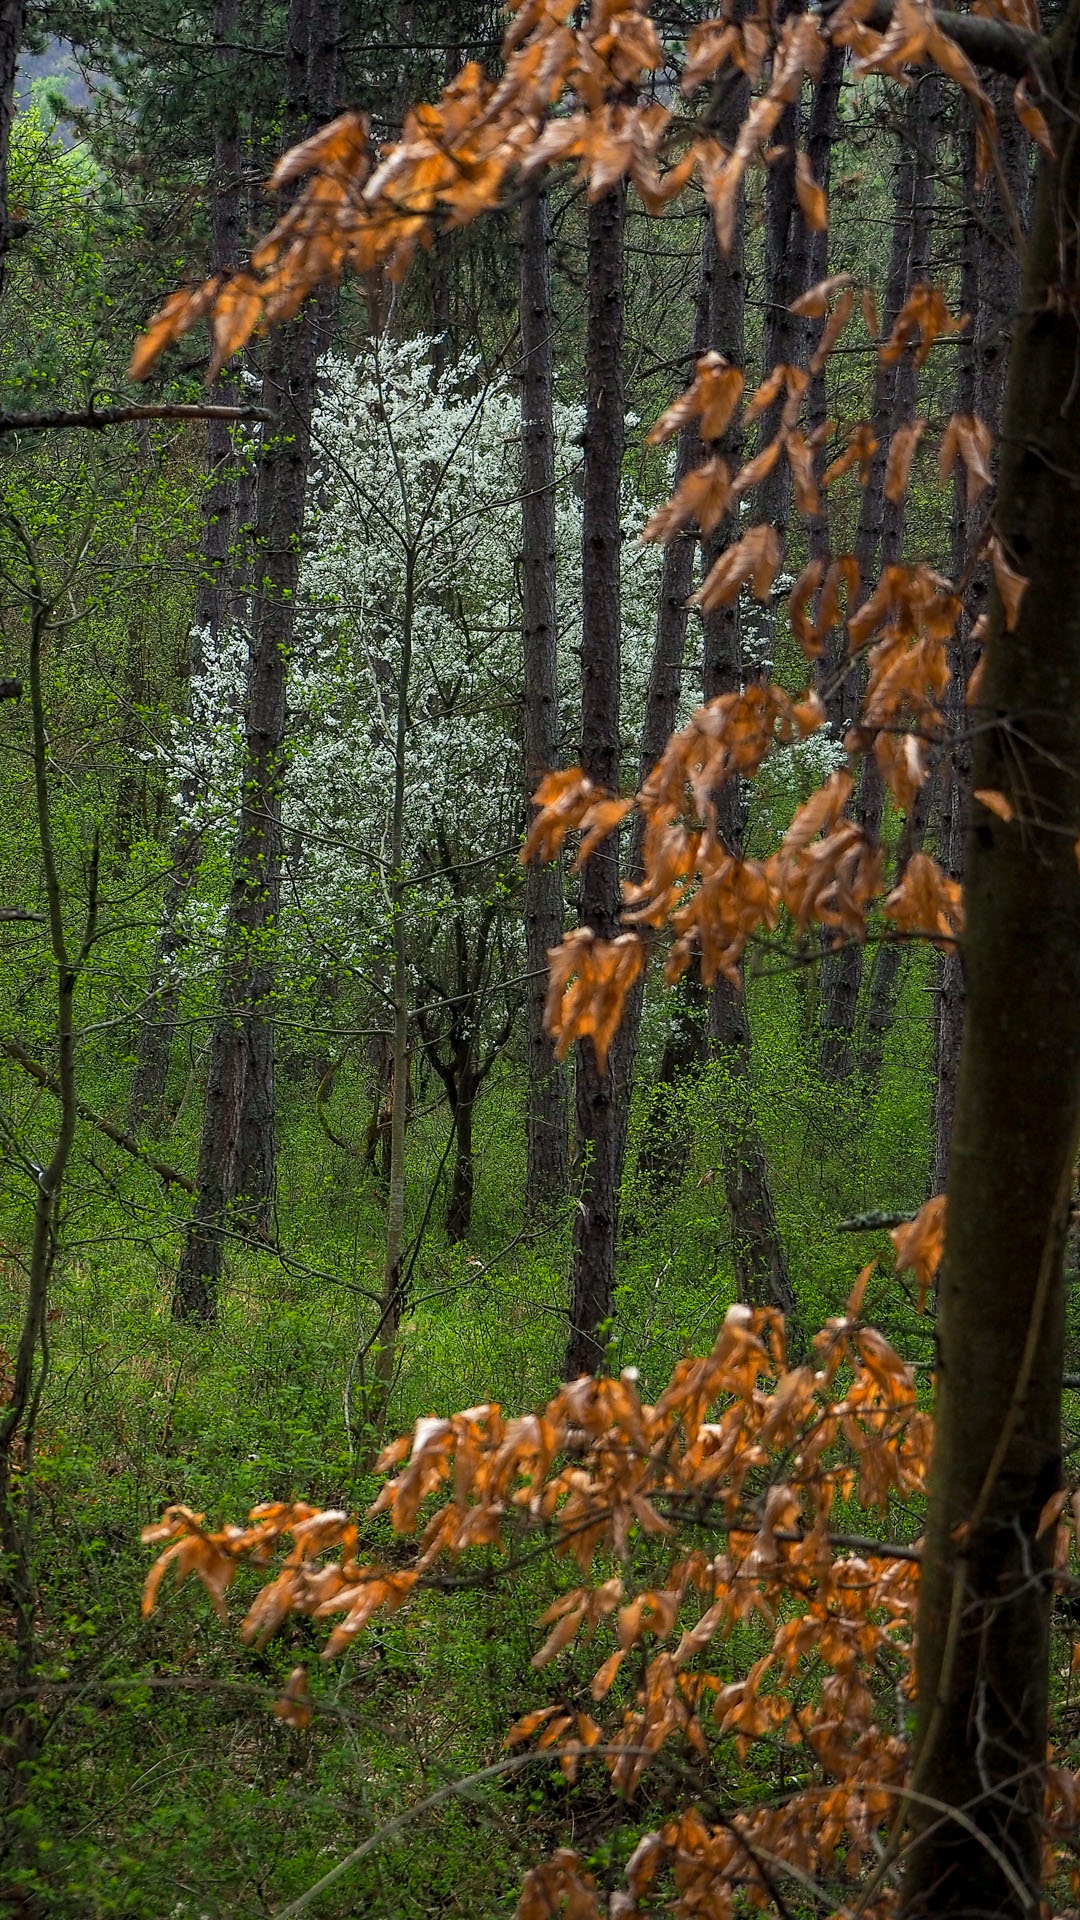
(1032, 120)
(814, 303)
(755, 557)
(800, 603)
(811, 196)
(1011, 585)
(920, 1243)
(901, 453)
(295, 1705)
(994, 802)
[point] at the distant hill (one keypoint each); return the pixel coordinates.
(58, 64)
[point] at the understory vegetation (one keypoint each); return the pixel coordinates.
(539, 960)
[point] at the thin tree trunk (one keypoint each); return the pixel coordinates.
(157, 1027)
(841, 973)
(12, 27)
(459, 1210)
(985, 1594)
(236, 1149)
(601, 1126)
(686, 1045)
(18, 1417)
(759, 1260)
(888, 969)
(989, 292)
(391, 1306)
(547, 1170)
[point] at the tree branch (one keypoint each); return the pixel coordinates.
(988, 43)
(126, 1141)
(98, 417)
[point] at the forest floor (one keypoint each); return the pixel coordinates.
(164, 1786)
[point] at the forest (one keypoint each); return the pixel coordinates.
(539, 959)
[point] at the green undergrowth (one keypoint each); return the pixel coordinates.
(164, 1786)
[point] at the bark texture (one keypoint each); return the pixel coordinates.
(599, 1099)
(12, 27)
(985, 1600)
(236, 1148)
(686, 1042)
(548, 1167)
(758, 1257)
(880, 525)
(990, 292)
(157, 1027)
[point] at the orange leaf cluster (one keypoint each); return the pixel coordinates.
(915, 612)
(567, 92)
(926, 902)
(587, 988)
(920, 1243)
(968, 439)
(567, 801)
(754, 1450)
(923, 314)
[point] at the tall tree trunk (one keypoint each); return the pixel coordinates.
(601, 1125)
(989, 292)
(758, 1257)
(686, 1045)
(985, 1594)
(887, 972)
(236, 1149)
(547, 1170)
(757, 1249)
(841, 973)
(212, 603)
(12, 26)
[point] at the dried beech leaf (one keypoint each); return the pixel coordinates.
(994, 802)
(1032, 120)
(814, 303)
(920, 1243)
(901, 453)
(1011, 585)
(811, 196)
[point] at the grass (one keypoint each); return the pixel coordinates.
(164, 1788)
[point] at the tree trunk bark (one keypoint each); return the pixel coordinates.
(841, 973)
(548, 1168)
(990, 293)
(984, 1611)
(12, 26)
(599, 1098)
(158, 1024)
(686, 1045)
(758, 1257)
(236, 1149)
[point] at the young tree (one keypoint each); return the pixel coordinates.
(599, 1094)
(879, 530)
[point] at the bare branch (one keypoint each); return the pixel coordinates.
(126, 1141)
(98, 417)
